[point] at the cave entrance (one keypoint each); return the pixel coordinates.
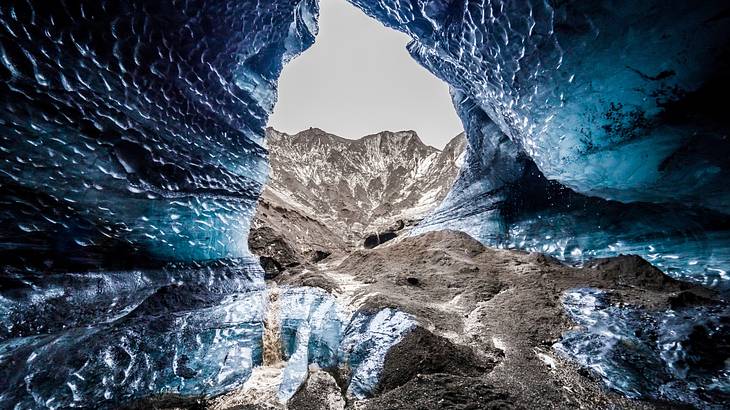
(363, 143)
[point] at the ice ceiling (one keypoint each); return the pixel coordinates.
(131, 158)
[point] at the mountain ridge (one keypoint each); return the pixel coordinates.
(327, 193)
(316, 131)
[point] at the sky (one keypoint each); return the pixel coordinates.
(358, 79)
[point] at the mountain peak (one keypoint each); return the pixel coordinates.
(387, 137)
(361, 184)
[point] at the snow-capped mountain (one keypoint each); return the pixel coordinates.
(339, 190)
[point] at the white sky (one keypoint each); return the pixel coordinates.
(358, 79)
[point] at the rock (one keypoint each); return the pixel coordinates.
(319, 255)
(339, 190)
(376, 239)
(307, 276)
(389, 233)
(422, 352)
(470, 299)
(691, 297)
(443, 391)
(488, 323)
(319, 392)
(272, 268)
(275, 252)
(634, 270)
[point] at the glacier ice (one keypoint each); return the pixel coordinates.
(137, 128)
(675, 355)
(297, 366)
(367, 340)
(316, 329)
(611, 100)
(131, 158)
(182, 338)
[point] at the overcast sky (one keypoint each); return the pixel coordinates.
(358, 79)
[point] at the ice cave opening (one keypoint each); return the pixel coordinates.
(362, 140)
(133, 155)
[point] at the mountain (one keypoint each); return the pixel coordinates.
(328, 193)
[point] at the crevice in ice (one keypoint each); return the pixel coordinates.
(312, 327)
(272, 329)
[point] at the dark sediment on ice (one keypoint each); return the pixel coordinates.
(488, 319)
(422, 353)
(505, 306)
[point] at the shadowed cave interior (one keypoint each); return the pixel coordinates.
(134, 152)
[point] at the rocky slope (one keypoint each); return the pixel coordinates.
(327, 194)
(491, 323)
(491, 326)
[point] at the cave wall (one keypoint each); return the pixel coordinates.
(134, 128)
(594, 127)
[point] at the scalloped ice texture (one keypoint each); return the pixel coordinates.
(130, 125)
(132, 137)
(594, 129)
(608, 100)
(675, 355)
(131, 159)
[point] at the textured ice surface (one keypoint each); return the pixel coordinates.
(671, 355)
(135, 127)
(295, 372)
(187, 337)
(367, 340)
(132, 138)
(316, 330)
(130, 162)
(613, 100)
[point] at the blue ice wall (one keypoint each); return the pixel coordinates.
(130, 162)
(676, 355)
(131, 138)
(611, 99)
(594, 127)
(135, 127)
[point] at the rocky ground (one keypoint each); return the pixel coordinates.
(488, 319)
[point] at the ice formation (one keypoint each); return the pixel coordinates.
(675, 355)
(316, 329)
(131, 157)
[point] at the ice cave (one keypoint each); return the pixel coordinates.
(133, 153)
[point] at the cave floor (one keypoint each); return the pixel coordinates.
(488, 319)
